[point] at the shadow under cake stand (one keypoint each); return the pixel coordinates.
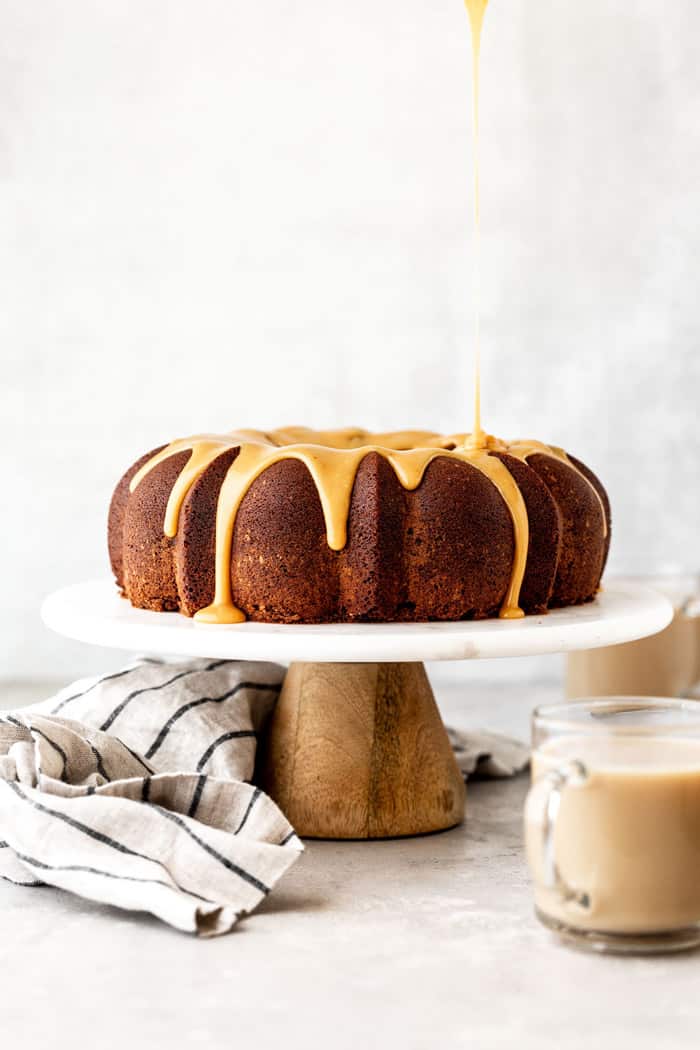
(356, 747)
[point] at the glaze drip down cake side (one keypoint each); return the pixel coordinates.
(300, 526)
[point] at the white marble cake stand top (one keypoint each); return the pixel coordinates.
(93, 612)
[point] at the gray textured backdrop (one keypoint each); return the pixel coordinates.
(217, 214)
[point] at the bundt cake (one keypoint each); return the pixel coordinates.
(299, 526)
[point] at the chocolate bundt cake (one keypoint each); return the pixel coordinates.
(299, 526)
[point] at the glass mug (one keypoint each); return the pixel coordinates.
(612, 823)
(664, 664)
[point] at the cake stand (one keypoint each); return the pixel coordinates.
(356, 747)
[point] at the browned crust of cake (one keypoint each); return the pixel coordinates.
(598, 486)
(582, 549)
(371, 578)
(442, 552)
(459, 545)
(544, 542)
(196, 537)
(149, 566)
(117, 512)
(282, 568)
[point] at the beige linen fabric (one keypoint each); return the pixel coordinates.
(134, 789)
(481, 753)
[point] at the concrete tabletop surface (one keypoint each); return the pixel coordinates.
(414, 943)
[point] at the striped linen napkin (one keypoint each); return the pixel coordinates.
(489, 756)
(134, 790)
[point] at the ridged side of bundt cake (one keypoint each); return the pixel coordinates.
(443, 551)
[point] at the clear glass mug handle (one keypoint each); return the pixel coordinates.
(542, 808)
(691, 608)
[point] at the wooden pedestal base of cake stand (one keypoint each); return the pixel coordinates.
(359, 751)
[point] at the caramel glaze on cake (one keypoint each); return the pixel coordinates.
(300, 526)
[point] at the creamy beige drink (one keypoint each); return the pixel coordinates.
(663, 665)
(666, 664)
(695, 691)
(625, 832)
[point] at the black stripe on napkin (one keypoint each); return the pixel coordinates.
(34, 863)
(5, 717)
(134, 754)
(99, 763)
(99, 836)
(31, 881)
(91, 832)
(57, 747)
(253, 799)
(229, 864)
(106, 678)
(235, 734)
(204, 700)
(154, 689)
(196, 797)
